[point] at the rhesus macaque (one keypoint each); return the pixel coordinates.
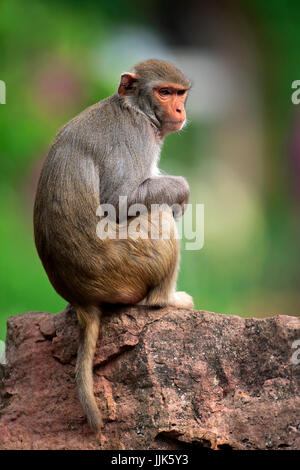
(109, 150)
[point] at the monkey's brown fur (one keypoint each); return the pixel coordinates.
(110, 149)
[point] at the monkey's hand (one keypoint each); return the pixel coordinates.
(179, 207)
(178, 211)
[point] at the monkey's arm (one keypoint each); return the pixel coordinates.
(162, 190)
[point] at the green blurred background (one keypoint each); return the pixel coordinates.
(240, 151)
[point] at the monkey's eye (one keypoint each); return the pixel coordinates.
(180, 92)
(164, 92)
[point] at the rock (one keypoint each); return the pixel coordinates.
(164, 379)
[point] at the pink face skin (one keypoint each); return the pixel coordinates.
(172, 98)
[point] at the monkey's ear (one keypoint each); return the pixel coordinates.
(126, 82)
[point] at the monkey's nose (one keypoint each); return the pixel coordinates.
(179, 108)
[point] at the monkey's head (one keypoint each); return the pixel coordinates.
(159, 90)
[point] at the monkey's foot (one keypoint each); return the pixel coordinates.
(176, 299)
(181, 300)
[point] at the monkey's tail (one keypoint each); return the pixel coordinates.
(89, 323)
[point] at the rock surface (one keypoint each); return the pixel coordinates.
(164, 379)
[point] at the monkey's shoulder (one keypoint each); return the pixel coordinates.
(83, 124)
(111, 112)
(106, 125)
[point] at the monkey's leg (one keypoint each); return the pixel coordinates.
(144, 269)
(164, 293)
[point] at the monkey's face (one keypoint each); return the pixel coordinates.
(170, 99)
(161, 100)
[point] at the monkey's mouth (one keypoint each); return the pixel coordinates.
(174, 122)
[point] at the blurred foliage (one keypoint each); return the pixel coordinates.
(47, 63)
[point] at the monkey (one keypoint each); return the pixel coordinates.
(109, 150)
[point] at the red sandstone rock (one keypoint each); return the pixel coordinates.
(164, 379)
